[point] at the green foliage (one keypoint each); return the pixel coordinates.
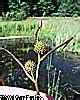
(14, 28)
(66, 9)
(21, 9)
(18, 11)
(43, 9)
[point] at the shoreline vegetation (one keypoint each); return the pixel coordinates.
(54, 30)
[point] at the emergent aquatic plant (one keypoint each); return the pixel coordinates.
(30, 68)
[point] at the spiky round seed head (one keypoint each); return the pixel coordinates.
(39, 47)
(30, 66)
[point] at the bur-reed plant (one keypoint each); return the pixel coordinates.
(30, 68)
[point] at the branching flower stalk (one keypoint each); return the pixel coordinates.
(40, 59)
(39, 48)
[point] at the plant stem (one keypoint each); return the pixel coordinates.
(38, 65)
(57, 86)
(48, 69)
(32, 75)
(65, 43)
(13, 37)
(36, 86)
(54, 80)
(37, 31)
(74, 91)
(18, 63)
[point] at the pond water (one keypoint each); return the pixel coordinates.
(69, 65)
(67, 62)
